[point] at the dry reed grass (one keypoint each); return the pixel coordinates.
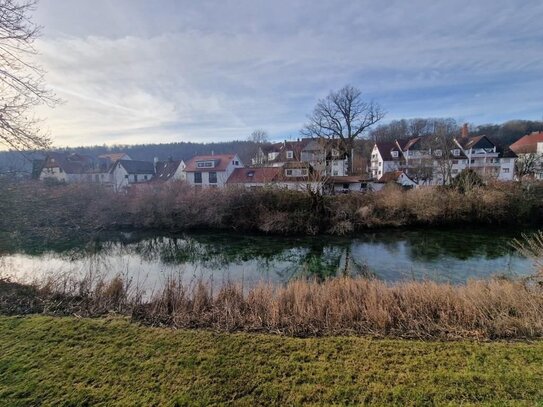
(488, 309)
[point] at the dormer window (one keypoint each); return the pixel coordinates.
(456, 152)
(438, 153)
(290, 155)
(394, 154)
(335, 152)
(205, 164)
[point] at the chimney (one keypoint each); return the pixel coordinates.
(155, 162)
(212, 152)
(465, 131)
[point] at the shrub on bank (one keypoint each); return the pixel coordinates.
(177, 206)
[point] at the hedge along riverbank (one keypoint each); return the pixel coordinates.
(177, 206)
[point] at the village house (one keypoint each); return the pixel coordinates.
(529, 150)
(211, 170)
(295, 176)
(170, 170)
(323, 155)
(67, 167)
(396, 177)
(126, 173)
(427, 163)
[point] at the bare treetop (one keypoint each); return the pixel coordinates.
(21, 79)
(259, 136)
(343, 115)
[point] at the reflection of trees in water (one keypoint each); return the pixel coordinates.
(320, 257)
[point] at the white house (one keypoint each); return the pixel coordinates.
(385, 157)
(211, 170)
(129, 172)
(171, 170)
(67, 167)
(398, 177)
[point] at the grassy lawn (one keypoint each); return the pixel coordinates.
(70, 362)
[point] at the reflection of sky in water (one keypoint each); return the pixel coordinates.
(391, 256)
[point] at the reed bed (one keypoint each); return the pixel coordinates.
(490, 309)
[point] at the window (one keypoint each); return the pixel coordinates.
(60, 170)
(335, 173)
(145, 177)
(212, 177)
(197, 177)
(394, 154)
(304, 172)
(438, 153)
(335, 152)
(374, 156)
(455, 161)
(135, 177)
(96, 178)
(236, 162)
(126, 176)
(289, 172)
(345, 186)
(456, 152)
(205, 164)
(379, 172)
(505, 170)
(290, 154)
(455, 171)
(380, 164)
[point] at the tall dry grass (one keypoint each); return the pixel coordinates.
(489, 309)
(479, 309)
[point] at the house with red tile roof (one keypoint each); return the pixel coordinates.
(529, 150)
(211, 170)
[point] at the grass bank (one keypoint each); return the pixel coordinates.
(32, 206)
(78, 362)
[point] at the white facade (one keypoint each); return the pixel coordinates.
(121, 178)
(202, 174)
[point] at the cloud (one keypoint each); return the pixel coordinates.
(216, 70)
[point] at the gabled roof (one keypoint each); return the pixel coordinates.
(392, 176)
(137, 167)
(70, 163)
(409, 144)
(259, 175)
(475, 142)
(528, 143)
(221, 162)
(385, 149)
(164, 170)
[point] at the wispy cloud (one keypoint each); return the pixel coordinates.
(132, 72)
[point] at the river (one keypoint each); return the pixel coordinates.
(147, 259)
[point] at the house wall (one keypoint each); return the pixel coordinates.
(121, 179)
(222, 176)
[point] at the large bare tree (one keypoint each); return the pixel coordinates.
(21, 78)
(343, 115)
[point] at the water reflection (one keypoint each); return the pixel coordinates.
(451, 255)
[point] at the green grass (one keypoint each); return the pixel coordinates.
(76, 362)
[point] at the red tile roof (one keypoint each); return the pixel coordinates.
(221, 162)
(528, 143)
(254, 175)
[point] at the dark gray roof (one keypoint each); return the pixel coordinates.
(137, 167)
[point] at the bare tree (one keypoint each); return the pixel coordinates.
(343, 115)
(21, 79)
(259, 136)
(527, 164)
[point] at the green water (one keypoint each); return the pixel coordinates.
(452, 255)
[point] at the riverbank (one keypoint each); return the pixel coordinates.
(482, 310)
(109, 361)
(51, 209)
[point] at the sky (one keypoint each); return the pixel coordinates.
(135, 71)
